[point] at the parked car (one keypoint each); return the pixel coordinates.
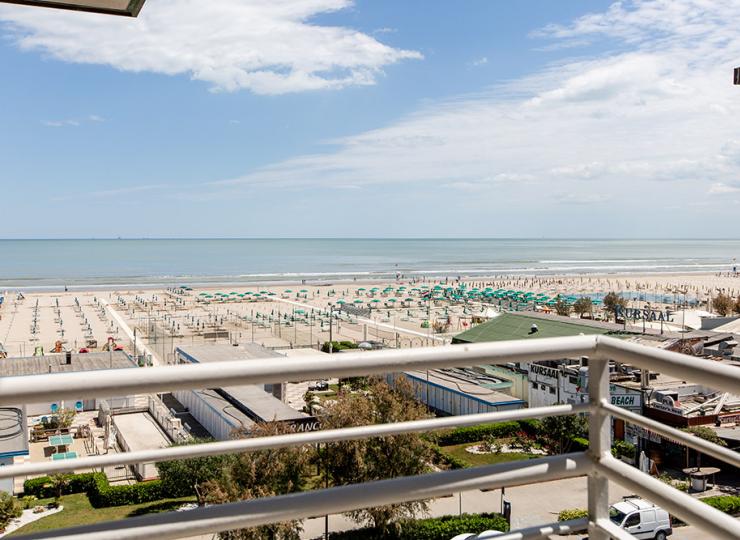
(319, 386)
(642, 519)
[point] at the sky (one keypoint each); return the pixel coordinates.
(372, 118)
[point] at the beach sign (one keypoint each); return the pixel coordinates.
(642, 314)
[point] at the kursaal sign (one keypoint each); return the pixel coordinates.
(643, 314)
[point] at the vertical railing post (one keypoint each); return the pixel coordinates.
(599, 445)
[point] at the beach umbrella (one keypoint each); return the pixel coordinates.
(341, 301)
(203, 294)
(375, 301)
(391, 299)
(359, 301)
(300, 311)
(288, 290)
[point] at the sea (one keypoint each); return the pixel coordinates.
(84, 264)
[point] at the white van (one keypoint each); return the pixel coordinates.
(642, 519)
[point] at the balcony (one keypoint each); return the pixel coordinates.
(597, 464)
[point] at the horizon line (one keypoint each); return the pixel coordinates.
(158, 238)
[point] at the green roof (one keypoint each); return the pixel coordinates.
(509, 326)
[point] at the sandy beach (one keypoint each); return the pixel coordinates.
(397, 313)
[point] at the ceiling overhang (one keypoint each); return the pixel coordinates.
(126, 8)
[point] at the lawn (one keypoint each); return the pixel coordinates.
(78, 511)
(458, 451)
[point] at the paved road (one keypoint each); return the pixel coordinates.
(530, 505)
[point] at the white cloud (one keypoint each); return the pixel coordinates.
(266, 46)
(60, 123)
(652, 122)
(720, 188)
(482, 61)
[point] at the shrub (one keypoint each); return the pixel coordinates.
(99, 491)
(429, 529)
(477, 433)
(572, 513)
(729, 504)
(102, 494)
(43, 486)
(338, 345)
(580, 444)
(10, 508)
(623, 449)
(531, 426)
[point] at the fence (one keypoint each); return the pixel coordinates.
(597, 464)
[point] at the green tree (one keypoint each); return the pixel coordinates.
(351, 462)
(706, 433)
(10, 508)
(612, 302)
(562, 307)
(59, 482)
(185, 477)
(265, 473)
(736, 307)
(582, 306)
(723, 304)
(559, 431)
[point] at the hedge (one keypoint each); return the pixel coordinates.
(102, 494)
(729, 504)
(99, 491)
(442, 528)
(42, 487)
(572, 513)
(338, 346)
(477, 433)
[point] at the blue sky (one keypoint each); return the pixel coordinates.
(372, 118)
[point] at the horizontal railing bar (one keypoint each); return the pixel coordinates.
(714, 374)
(613, 530)
(691, 510)
(545, 531)
(699, 444)
(295, 506)
(121, 382)
(282, 441)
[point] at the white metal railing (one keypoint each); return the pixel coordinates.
(597, 463)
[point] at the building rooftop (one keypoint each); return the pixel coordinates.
(462, 383)
(56, 363)
(251, 401)
(258, 404)
(203, 354)
(508, 326)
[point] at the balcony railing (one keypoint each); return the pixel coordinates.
(597, 463)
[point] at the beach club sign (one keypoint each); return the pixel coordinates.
(643, 314)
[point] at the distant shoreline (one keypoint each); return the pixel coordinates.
(358, 279)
